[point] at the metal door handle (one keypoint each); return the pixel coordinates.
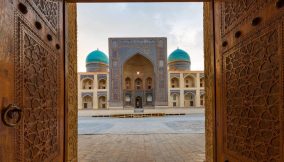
(12, 115)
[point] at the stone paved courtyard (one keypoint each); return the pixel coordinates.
(159, 139)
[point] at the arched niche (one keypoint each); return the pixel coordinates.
(127, 83)
(189, 100)
(102, 102)
(175, 100)
(174, 82)
(149, 83)
(87, 83)
(189, 81)
(102, 84)
(87, 102)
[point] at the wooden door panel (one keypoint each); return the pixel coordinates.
(252, 97)
(249, 77)
(37, 89)
(35, 66)
(6, 76)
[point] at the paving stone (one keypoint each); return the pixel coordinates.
(167, 139)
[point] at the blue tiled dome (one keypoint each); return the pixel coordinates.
(178, 55)
(97, 56)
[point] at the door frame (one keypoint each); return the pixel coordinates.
(71, 89)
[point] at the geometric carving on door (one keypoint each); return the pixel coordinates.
(235, 12)
(253, 96)
(48, 10)
(36, 91)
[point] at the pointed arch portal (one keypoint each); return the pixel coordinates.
(138, 69)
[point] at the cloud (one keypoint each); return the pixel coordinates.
(181, 23)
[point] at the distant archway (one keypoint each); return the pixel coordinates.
(102, 84)
(127, 83)
(174, 83)
(148, 83)
(138, 84)
(175, 100)
(102, 104)
(87, 102)
(189, 100)
(189, 81)
(87, 83)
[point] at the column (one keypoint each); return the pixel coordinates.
(79, 92)
(197, 96)
(95, 91)
(169, 91)
(197, 82)
(107, 85)
(181, 90)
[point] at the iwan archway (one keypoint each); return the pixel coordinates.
(244, 85)
(123, 53)
(139, 72)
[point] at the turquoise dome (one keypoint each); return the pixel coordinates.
(97, 56)
(178, 55)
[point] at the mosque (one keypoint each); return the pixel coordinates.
(138, 74)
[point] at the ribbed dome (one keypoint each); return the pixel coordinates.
(179, 55)
(97, 56)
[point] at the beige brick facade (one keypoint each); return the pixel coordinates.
(188, 94)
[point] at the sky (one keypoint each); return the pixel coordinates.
(181, 23)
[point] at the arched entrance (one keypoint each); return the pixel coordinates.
(189, 100)
(140, 71)
(102, 102)
(175, 100)
(138, 102)
(87, 102)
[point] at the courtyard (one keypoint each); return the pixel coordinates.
(156, 139)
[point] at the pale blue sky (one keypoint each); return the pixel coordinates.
(181, 23)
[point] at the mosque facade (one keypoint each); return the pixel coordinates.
(138, 74)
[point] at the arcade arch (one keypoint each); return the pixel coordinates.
(87, 102)
(87, 83)
(175, 100)
(102, 102)
(175, 82)
(189, 100)
(102, 84)
(189, 81)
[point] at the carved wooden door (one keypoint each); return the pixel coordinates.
(249, 80)
(31, 81)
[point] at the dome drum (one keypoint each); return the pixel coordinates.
(96, 67)
(179, 65)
